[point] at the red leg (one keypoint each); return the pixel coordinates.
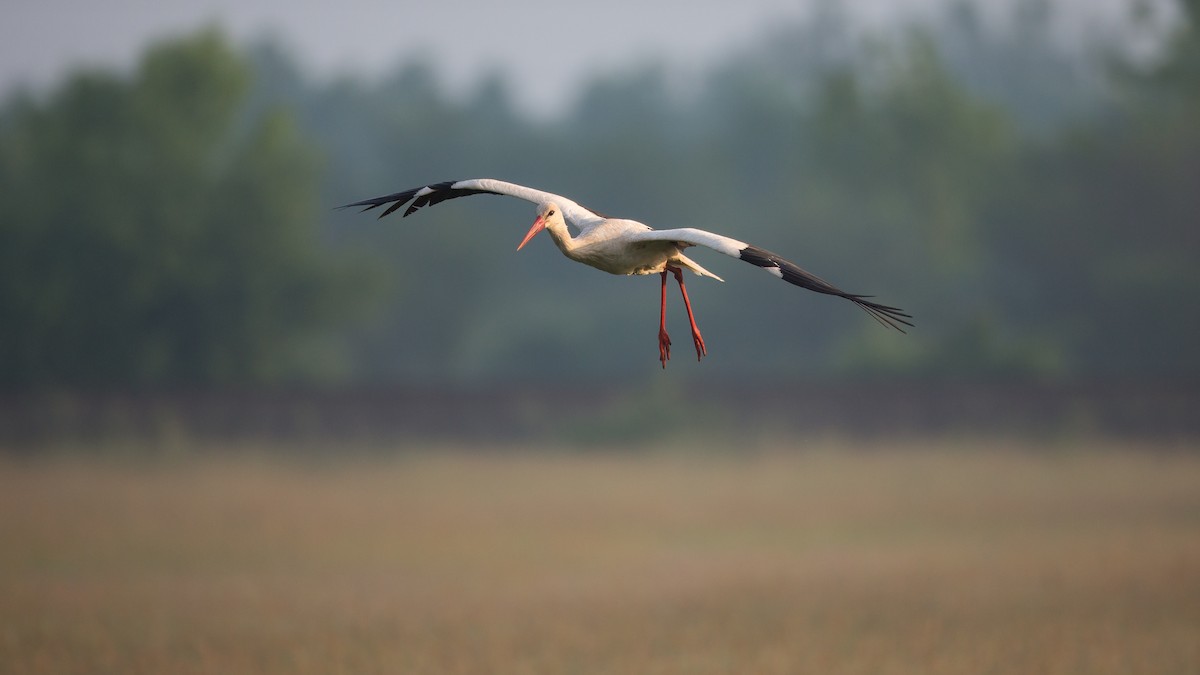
(664, 341)
(699, 341)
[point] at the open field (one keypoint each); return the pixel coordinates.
(831, 559)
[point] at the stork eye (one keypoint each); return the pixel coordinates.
(551, 212)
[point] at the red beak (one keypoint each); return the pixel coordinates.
(538, 226)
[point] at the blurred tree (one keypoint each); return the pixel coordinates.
(149, 234)
(901, 168)
(161, 228)
(1023, 64)
(1102, 242)
(928, 170)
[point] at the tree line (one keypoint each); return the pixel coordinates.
(174, 226)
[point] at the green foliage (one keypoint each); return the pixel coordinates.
(150, 234)
(161, 228)
(1102, 233)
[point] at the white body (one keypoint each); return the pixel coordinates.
(624, 247)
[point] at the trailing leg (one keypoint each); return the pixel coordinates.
(701, 351)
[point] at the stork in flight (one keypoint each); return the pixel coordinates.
(620, 246)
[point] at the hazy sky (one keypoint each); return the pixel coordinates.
(545, 46)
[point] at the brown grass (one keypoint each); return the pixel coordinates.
(831, 560)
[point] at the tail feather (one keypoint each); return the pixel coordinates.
(692, 265)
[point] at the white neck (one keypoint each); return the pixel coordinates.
(561, 236)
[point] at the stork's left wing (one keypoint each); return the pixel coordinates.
(776, 265)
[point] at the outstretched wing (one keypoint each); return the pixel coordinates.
(776, 265)
(428, 195)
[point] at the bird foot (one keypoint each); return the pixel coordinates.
(664, 347)
(701, 351)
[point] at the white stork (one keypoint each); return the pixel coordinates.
(620, 246)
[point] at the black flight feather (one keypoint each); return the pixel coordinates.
(792, 273)
(440, 193)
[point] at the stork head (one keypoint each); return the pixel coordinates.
(548, 214)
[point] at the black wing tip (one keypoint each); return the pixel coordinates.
(886, 315)
(426, 195)
(367, 203)
(890, 317)
(399, 199)
(376, 202)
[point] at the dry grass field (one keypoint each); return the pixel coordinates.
(832, 558)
